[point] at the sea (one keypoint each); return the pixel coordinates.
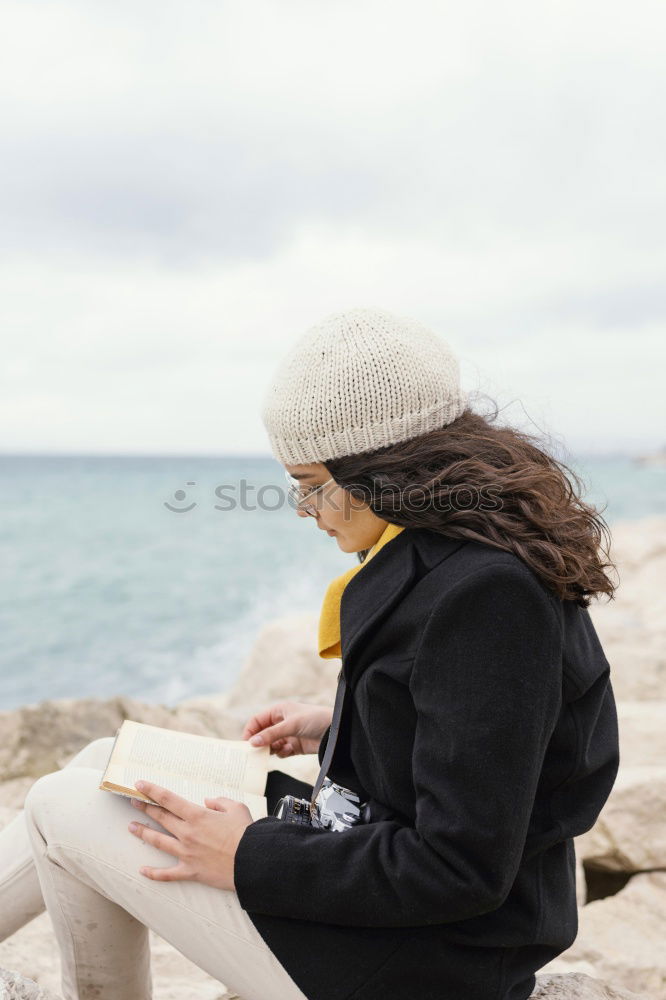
(150, 576)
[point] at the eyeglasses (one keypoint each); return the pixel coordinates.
(300, 494)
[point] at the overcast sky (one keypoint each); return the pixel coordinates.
(187, 187)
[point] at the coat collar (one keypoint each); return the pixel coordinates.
(389, 575)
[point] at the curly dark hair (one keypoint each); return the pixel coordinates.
(492, 484)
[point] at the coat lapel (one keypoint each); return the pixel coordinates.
(371, 594)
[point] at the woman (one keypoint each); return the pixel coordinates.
(478, 725)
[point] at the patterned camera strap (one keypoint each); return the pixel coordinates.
(332, 739)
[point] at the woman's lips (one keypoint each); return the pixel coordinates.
(330, 531)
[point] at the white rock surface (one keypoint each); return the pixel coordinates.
(33, 951)
(630, 832)
(573, 986)
(622, 938)
(632, 627)
(283, 663)
(14, 986)
(642, 726)
(620, 945)
(577, 986)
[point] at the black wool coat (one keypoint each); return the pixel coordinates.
(480, 723)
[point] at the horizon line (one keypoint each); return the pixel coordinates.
(622, 452)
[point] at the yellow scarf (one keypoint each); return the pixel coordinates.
(329, 619)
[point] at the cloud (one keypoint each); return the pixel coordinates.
(134, 129)
(187, 187)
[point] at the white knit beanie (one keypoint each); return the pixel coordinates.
(358, 381)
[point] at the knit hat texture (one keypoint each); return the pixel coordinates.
(358, 381)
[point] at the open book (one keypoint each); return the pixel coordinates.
(194, 767)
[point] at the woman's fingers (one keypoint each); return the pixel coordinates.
(163, 816)
(269, 735)
(171, 845)
(255, 724)
(277, 720)
(262, 720)
(179, 873)
(173, 803)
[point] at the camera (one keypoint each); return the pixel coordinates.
(335, 808)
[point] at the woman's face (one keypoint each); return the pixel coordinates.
(346, 518)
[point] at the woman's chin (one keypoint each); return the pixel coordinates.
(345, 545)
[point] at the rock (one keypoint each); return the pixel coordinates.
(642, 726)
(37, 739)
(33, 950)
(621, 938)
(581, 881)
(13, 792)
(576, 986)
(13, 986)
(632, 627)
(630, 834)
(283, 663)
(638, 664)
(41, 738)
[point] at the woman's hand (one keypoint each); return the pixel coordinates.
(289, 727)
(204, 838)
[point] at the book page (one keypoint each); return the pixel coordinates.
(257, 804)
(164, 755)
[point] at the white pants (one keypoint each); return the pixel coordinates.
(70, 851)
